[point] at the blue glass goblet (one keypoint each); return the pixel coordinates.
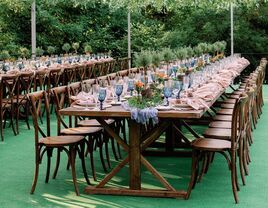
(102, 96)
(167, 94)
(118, 90)
(131, 86)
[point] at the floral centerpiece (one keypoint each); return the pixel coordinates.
(148, 96)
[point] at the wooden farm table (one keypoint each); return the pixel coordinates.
(137, 145)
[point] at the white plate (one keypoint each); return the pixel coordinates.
(116, 103)
(163, 108)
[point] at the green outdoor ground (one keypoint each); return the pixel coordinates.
(17, 168)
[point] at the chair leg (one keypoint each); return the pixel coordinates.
(113, 149)
(107, 153)
(57, 164)
(241, 163)
(27, 115)
(204, 165)
(101, 154)
(82, 157)
(91, 149)
(233, 177)
(49, 155)
(37, 162)
(1, 126)
(194, 173)
(72, 162)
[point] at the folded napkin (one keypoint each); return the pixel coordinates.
(13, 71)
(195, 103)
(83, 98)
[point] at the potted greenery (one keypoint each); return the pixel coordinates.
(51, 50)
(66, 47)
(181, 54)
(39, 52)
(4, 55)
(88, 49)
(190, 52)
(76, 46)
(156, 59)
(168, 56)
(24, 52)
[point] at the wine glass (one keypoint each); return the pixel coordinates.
(131, 86)
(167, 94)
(102, 96)
(118, 90)
(95, 91)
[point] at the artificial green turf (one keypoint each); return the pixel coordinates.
(17, 168)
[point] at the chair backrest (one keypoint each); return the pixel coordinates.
(40, 80)
(73, 90)
(25, 84)
(68, 75)
(80, 73)
(238, 120)
(9, 89)
(53, 78)
(36, 100)
(60, 96)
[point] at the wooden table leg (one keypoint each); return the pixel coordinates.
(134, 155)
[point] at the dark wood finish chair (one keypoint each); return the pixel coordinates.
(40, 80)
(45, 143)
(94, 134)
(204, 146)
(69, 75)
(26, 80)
(9, 97)
(80, 72)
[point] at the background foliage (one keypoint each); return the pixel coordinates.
(155, 24)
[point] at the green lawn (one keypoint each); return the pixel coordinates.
(17, 168)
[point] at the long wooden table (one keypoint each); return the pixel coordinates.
(137, 145)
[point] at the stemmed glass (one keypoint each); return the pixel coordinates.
(167, 92)
(118, 90)
(102, 96)
(131, 86)
(95, 91)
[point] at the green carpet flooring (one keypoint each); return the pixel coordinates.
(17, 168)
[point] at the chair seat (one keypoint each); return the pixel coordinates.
(225, 111)
(60, 140)
(230, 100)
(227, 105)
(235, 96)
(218, 133)
(80, 130)
(211, 144)
(93, 123)
(223, 118)
(237, 92)
(221, 124)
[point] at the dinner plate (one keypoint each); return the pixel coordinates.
(116, 103)
(82, 107)
(163, 108)
(86, 104)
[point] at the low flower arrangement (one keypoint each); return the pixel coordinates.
(148, 96)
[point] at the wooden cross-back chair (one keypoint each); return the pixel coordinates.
(202, 146)
(26, 80)
(45, 143)
(94, 134)
(112, 66)
(89, 71)
(80, 73)
(68, 75)
(9, 97)
(98, 69)
(40, 80)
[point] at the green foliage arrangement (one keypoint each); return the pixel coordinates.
(156, 58)
(51, 50)
(4, 55)
(146, 102)
(76, 46)
(181, 53)
(66, 47)
(24, 52)
(168, 55)
(88, 49)
(39, 51)
(143, 59)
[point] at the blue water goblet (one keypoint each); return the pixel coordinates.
(102, 96)
(118, 90)
(167, 94)
(131, 86)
